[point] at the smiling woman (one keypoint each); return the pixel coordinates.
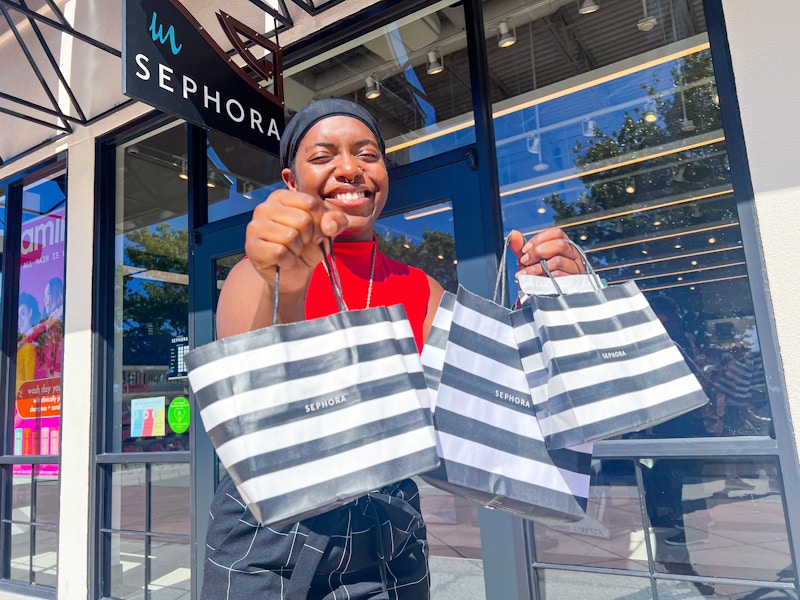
(332, 156)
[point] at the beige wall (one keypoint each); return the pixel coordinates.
(765, 51)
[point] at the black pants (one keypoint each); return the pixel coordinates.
(374, 548)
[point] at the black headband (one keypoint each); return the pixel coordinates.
(315, 111)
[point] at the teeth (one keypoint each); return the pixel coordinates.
(349, 196)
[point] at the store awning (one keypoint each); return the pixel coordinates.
(60, 62)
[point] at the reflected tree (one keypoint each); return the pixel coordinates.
(689, 110)
(155, 309)
(435, 254)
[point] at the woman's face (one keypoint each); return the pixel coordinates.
(24, 314)
(47, 300)
(339, 160)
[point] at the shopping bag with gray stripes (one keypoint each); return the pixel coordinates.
(601, 364)
(489, 440)
(309, 416)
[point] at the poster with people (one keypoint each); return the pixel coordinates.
(37, 414)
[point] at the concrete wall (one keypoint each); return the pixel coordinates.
(765, 51)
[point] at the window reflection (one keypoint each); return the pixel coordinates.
(412, 75)
(238, 176)
(705, 518)
(633, 165)
(611, 535)
(150, 409)
(717, 518)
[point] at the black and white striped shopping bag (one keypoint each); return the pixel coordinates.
(610, 366)
(489, 440)
(309, 416)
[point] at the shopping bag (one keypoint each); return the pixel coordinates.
(432, 355)
(489, 441)
(309, 416)
(609, 364)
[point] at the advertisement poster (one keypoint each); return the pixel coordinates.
(147, 417)
(37, 414)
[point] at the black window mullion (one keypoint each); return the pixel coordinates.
(148, 488)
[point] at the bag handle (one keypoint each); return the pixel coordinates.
(333, 274)
(586, 265)
(501, 282)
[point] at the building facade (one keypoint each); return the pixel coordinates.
(655, 133)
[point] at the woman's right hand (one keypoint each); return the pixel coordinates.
(286, 231)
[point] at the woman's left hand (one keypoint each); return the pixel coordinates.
(551, 245)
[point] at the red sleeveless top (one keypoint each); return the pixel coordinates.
(393, 283)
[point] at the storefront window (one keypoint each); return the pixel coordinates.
(624, 149)
(40, 311)
(32, 522)
(703, 518)
(608, 125)
(146, 528)
(412, 75)
(238, 176)
(150, 409)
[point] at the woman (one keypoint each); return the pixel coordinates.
(27, 317)
(332, 156)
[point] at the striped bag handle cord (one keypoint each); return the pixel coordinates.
(333, 273)
(500, 295)
(586, 265)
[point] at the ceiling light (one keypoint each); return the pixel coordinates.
(680, 278)
(638, 272)
(687, 125)
(712, 240)
(435, 63)
(588, 127)
(583, 238)
(427, 211)
(694, 263)
(184, 174)
(247, 190)
(534, 144)
(646, 23)
(542, 210)
(588, 7)
(650, 115)
(212, 179)
(507, 37)
(656, 223)
(372, 88)
(630, 187)
(678, 246)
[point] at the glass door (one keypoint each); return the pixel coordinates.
(432, 221)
